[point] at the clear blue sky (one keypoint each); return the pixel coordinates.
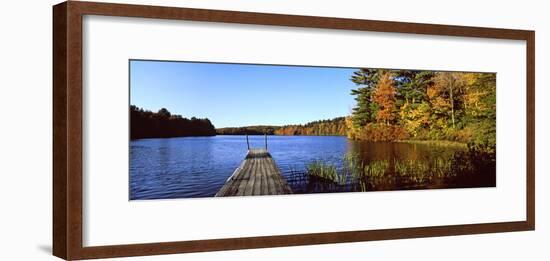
(233, 95)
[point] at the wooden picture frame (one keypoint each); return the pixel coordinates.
(68, 145)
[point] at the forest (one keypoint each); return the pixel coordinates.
(163, 124)
(424, 105)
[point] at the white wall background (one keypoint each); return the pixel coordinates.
(25, 130)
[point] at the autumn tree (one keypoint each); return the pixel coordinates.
(446, 95)
(415, 118)
(384, 96)
(480, 95)
(480, 110)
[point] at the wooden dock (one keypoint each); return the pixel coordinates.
(257, 175)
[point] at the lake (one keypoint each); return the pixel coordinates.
(191, 167)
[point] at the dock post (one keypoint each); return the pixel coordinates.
(265, 135)
(247, 143)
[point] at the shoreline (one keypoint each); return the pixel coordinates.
(446, 143)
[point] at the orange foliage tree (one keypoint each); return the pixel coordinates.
(384, 97)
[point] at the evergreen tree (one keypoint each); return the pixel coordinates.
(365, 110)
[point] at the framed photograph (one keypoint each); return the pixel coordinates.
(185, 130)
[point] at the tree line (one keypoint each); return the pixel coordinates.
(336, 126)
(163, 124)
(250, 130)
(331, 127)
(424, 105)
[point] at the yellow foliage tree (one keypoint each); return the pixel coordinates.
(446, 93)
(415, 117)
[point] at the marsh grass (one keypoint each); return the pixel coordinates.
(362, 174)
(375, 169)
(358, 168)
(418, 171)
(323, 170)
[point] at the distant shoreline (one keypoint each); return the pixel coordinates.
(198, 136)
(424, 142)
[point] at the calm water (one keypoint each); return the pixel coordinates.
(199, 166)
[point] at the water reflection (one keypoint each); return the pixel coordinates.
(377, 166)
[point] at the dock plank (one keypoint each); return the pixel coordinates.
(265, 187)
(250, 184)
(258, 174)
(280, 184)
(257, 190)
(243, 182)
